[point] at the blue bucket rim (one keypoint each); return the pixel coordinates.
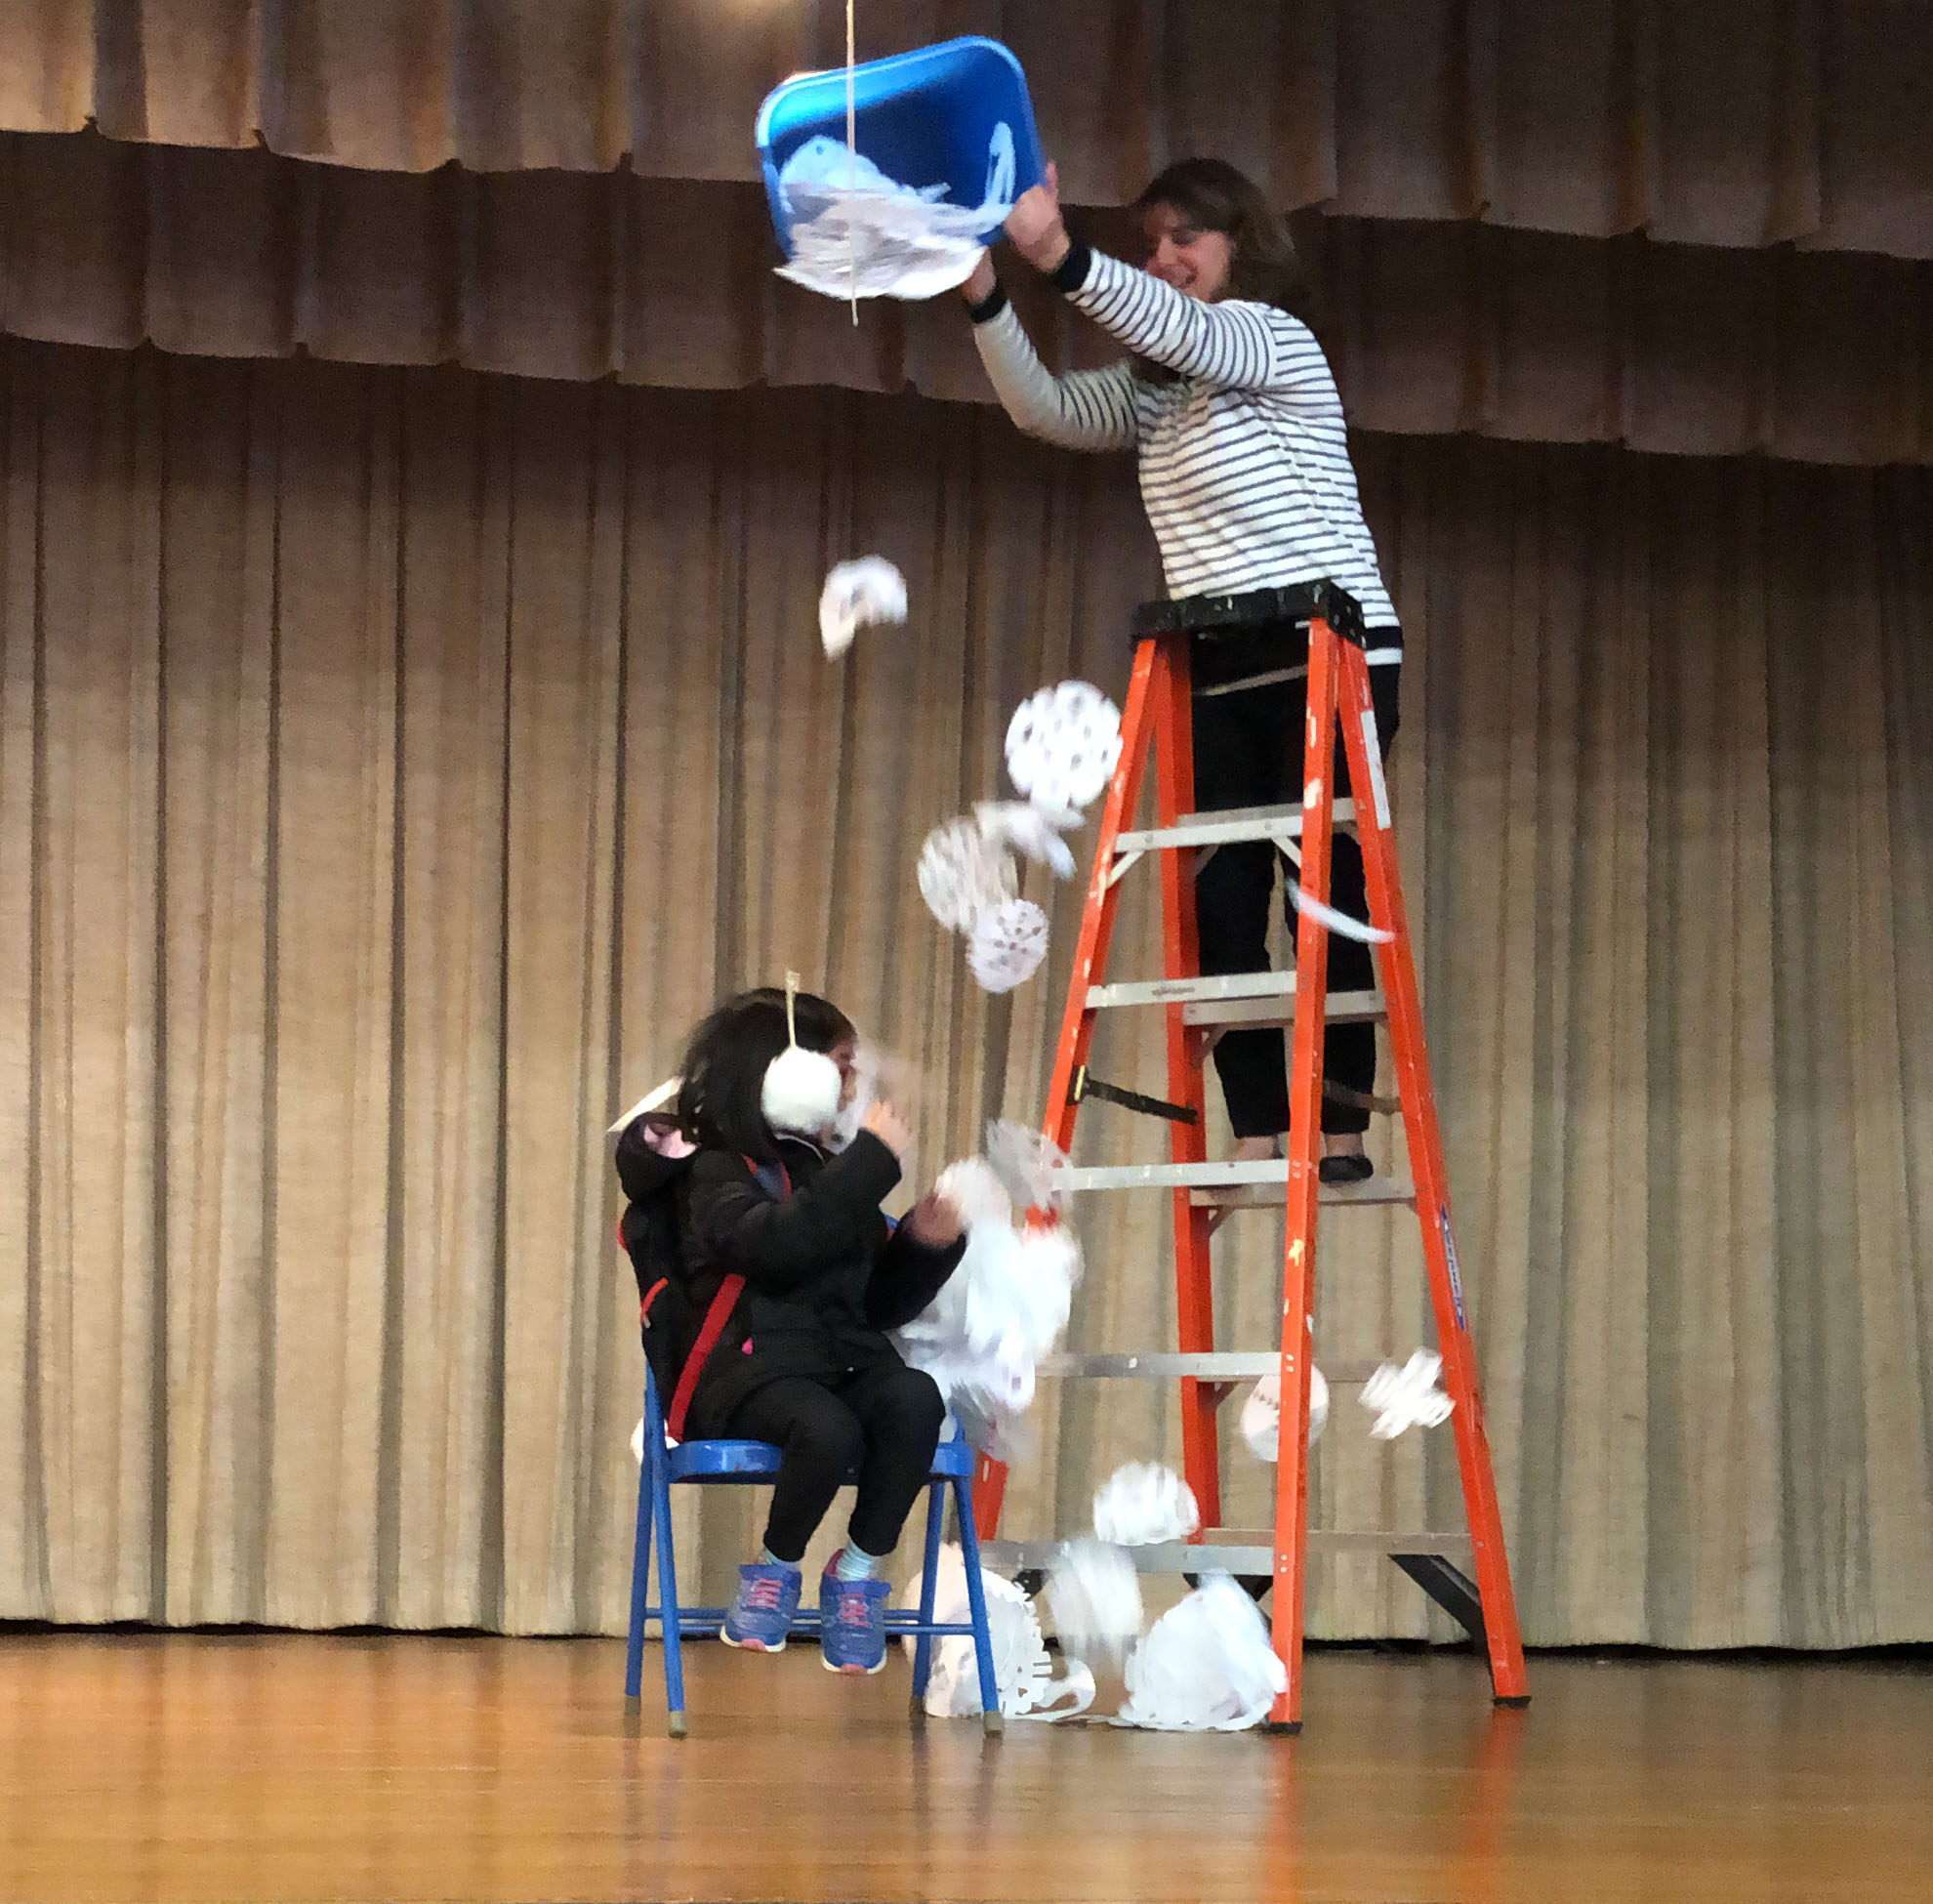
(761, 126)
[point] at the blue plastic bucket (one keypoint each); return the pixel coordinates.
(928, 117)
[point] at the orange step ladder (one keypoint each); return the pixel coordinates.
(1159, 713)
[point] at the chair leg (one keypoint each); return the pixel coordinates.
(922, 1647)
(640, 1585)
(669, 1617)
(991, 1718)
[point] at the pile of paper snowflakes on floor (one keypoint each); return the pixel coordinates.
(1207, 1663)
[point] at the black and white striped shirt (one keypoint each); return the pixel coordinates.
(1244, 459)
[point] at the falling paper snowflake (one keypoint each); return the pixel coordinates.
(1096, 1595)
(1406, 1397)
(856, 592)
(1143, 1504)
(1262, 1414)
(1007, 944)
(1030, 1165)
(1032, 831)
(963, 874)
(1062, 745)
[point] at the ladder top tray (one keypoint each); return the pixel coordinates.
(1194, 613)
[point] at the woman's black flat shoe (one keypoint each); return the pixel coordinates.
(1346, 1168)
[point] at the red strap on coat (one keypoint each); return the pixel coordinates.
(715, 1318)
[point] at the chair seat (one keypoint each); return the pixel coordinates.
(749, 1462)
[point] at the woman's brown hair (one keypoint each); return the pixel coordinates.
(1214, 197)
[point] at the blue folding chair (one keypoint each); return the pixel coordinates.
(756, 1463)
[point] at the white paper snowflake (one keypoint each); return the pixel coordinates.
(964, 874)
(1062, 745)
(1007, 943)
(1033, 832)
(869, 590)
(1406, 1397)
(1262, 1414)
(1205, 1667)
(1096, 1597)
(1143, 1504)
(1022, 1668)
(1031, 1165)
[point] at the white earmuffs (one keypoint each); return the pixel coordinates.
(801, 1093)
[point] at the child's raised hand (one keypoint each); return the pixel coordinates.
(935, 1221)
(1034, 223)
(889, 1128)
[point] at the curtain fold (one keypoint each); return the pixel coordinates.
(1434, 330)
(395, 763)
(1736, 122)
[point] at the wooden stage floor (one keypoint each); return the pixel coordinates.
(284, 1768)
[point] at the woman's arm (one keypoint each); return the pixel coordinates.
(777, 1243)
(1237, 345)
(1090, 409)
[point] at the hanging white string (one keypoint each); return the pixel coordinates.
(790, 1006)
(852, 158)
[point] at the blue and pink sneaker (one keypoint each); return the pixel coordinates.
(853, 1632)
(762, 1611)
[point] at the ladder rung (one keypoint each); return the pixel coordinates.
(1229, 1185)
(1210, 1365)
(1272, 1195)
(1228, 827)
(1254, 998)
(1275, 987)
(1341, 1007)
(1226, 1551)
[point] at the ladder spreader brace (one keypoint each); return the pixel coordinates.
(1196, 1010)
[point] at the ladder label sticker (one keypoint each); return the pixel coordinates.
(1379, 787)
(1449, 1257)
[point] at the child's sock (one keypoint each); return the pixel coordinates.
(854, 1562)
(767, 1558)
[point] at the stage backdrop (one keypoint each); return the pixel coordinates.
(393, 763)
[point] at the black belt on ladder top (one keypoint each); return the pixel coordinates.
(1194, 615)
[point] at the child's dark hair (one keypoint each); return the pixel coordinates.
(720, 1101)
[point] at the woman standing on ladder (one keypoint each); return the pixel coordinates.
(1246, 481)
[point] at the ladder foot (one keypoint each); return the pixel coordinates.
(1285, 1728)
(674, 1724)
(993, 1724)
(1515, 1702)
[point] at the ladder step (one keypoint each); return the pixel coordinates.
(1373, 1190)
(1224, 1549)
(1228, 828)
(1341, 1007)
(1210, 1365)
(1276, 989)
(1241, 998)
(1228, 1186)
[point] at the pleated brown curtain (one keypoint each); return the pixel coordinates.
(393, 763)
(1733, 122)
